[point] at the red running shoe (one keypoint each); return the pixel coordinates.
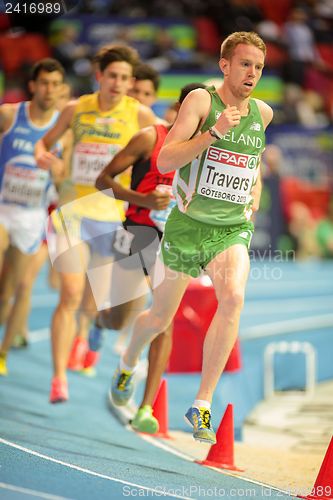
(59, 391)
(77, 354)
(91, 359)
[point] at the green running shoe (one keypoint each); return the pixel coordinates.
(144, 420)
(199, 419)
(122, 387)
(20, 342)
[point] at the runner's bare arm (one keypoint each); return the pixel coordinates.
(256, 193)
(7, 113)
(42, 149)
(140, 146)
(60, 167)
(180, 147)
(265, 111)
(267, 116)
(146, 117)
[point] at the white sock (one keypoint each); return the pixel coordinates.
(124, 367)
(201, 403)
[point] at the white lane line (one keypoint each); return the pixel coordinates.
(271, 306)
(87, 471)
(248, 333)
(164, 446)
(44, 300)
(262, 284)
(287, 326)
(160, 444)
(38, 335)
(34, 493)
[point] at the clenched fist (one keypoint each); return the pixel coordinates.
(228, 119)
(156, 200)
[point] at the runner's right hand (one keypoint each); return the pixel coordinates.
(46, 160)
(156, 200)
(228, 119)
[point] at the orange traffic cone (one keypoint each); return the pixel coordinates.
(323, 487)
(160, 409)
(221, 454)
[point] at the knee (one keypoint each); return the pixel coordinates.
(232, 300)
(70, 296)
(158, 323)
(24, 288)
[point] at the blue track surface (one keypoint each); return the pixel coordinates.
(78, 450)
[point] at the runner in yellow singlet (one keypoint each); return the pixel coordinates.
(102, 124)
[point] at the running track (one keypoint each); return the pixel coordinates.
(79, 451)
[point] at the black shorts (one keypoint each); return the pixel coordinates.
(137, 245)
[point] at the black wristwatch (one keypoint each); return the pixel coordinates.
(214, 133)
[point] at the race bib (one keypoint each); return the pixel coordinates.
(122, 241)
(159, 217)
(24, 186)
(89, 160)
(228, 176)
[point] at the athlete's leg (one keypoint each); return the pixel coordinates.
(63, 326)
(22, 262)
(6, 280)
(150, 323)
(159, 352)
(228, 272)
(87, 312)
(72, 285)
(158, 357)
(4, 244)
(6, 289)
(18, 320)
(53, 278)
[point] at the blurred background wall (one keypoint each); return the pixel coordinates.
(181, 39)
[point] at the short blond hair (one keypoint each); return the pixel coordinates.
(247, 37)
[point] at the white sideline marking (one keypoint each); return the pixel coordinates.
(159, 444)
(38, 335)
(288, 326)
(255, 285)
(87, 471)
(173, 451)
(43, 300)
(249, 333)
(34, 493)
(273, 306)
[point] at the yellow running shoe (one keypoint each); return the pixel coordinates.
(122, 387)
(3, 364)
(200, 420)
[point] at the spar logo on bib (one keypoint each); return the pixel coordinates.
(231, 158)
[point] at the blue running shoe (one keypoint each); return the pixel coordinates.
(95, 338)
(122, 387)
(199, 419)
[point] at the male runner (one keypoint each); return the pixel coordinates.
(148, 196)
(102, 124)
(210, 229)
(25, 190)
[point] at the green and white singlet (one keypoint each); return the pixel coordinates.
(215, 188)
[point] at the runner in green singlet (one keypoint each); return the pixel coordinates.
(210, 229)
